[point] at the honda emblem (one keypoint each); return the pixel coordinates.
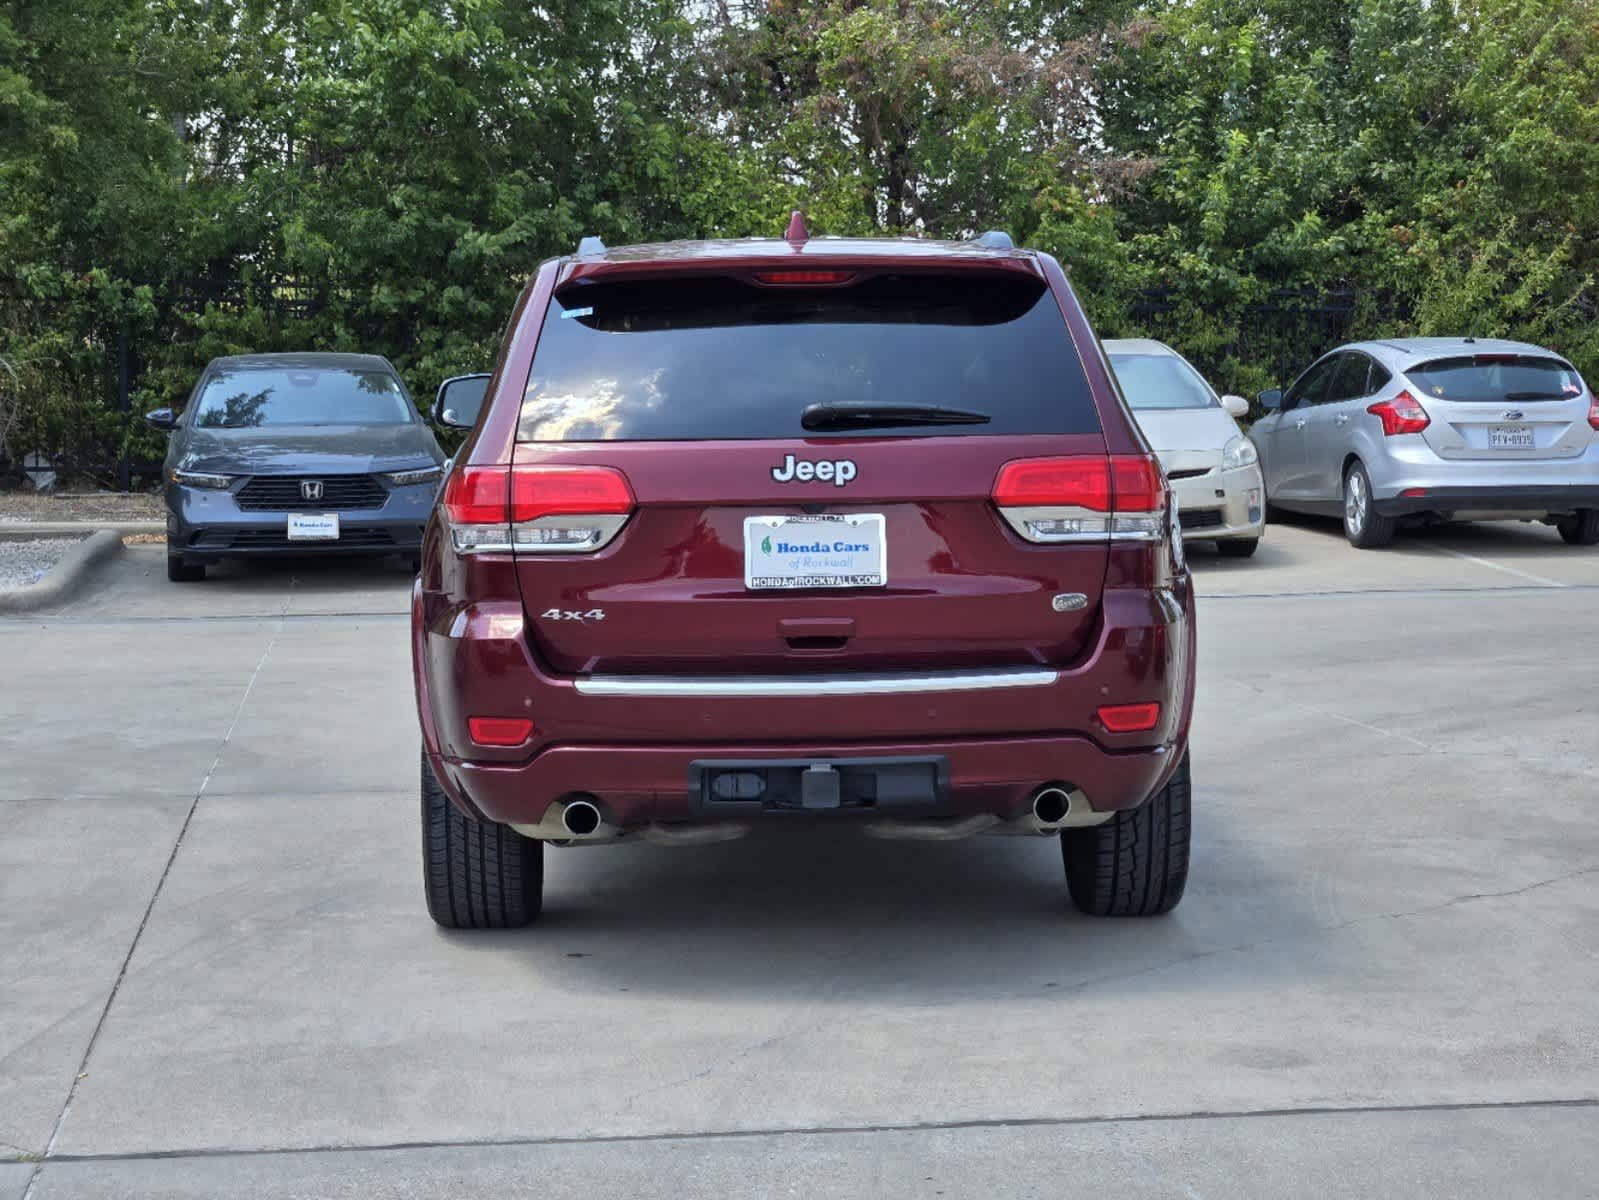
(310, 489)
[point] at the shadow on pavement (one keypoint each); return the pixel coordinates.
(828, 915)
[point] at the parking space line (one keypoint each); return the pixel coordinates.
(1493, 566)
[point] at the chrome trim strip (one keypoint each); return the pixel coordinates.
(890, 684)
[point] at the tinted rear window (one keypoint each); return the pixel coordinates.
(709, 359)
(1497, 378)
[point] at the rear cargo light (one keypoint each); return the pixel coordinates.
(499, 731)
(1402, 414)
(802, 278)
(1129, 718)
(1088, 498)
(536, 508)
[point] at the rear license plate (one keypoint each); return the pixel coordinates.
(844, 550)
(313, 527)
(1511, 437)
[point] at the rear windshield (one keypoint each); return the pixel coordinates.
(1496, 378)
(249, 397)
(1160, 381)
(717, 358)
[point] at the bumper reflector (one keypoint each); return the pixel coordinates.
(499, 731)
(1129, 718)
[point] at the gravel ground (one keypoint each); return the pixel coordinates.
(22, 563)
(80, 506)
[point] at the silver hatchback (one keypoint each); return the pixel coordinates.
(1439, 429)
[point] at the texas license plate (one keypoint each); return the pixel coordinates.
(1511, 437)
(313, 527)
(843, 550)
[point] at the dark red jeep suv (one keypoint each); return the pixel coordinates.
(801, 529)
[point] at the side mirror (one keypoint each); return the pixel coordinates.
(162, 418)
(459, 401)
(1236, 406)
(1271, 399)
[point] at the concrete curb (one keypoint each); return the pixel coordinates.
(22, 531)
(63, 578)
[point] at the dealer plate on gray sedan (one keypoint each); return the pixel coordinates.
(832, 550)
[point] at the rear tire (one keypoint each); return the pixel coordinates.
(1136, 863)
(179, 570)
(477, 874)
(1364, 526)
(1237, 547)
(1581, 528)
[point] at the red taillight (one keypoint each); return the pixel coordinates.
(537, 508)
(1402, 414)
(1054, 483)
(503, 732)
(1124, 482)
(802, 278)
(1593, 413)
(1129, 718)
(549, 491)
(478, 495)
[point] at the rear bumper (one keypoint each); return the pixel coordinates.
(1527, 486)
(635, 754)
(1532, 500)
(634, 784)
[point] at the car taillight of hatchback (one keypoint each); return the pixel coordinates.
(831, 530)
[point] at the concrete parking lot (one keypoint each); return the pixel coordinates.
(219, 978)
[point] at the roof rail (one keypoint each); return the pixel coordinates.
(591, 245)
(995, 239)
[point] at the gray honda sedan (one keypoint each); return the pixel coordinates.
(296, 454)
(1435, 429)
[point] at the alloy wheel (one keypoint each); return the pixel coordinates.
(1356, 501)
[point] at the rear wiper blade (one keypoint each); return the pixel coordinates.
(1539, 396)
(866, 414)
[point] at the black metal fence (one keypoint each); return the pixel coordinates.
(1278, 335)
(1281, 334)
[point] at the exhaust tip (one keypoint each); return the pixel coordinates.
(1052, 804)
(580, 818)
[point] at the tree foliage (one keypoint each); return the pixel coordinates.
(197, 177)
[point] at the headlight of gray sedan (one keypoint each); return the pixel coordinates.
(200, 479)
(1240, 452)
(410, 478)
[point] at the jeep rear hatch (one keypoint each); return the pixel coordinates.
(808, 470)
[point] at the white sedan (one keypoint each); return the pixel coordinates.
(1213, 468)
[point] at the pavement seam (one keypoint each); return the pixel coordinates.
(35, 624)
(836, 1130)
(149, 908)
